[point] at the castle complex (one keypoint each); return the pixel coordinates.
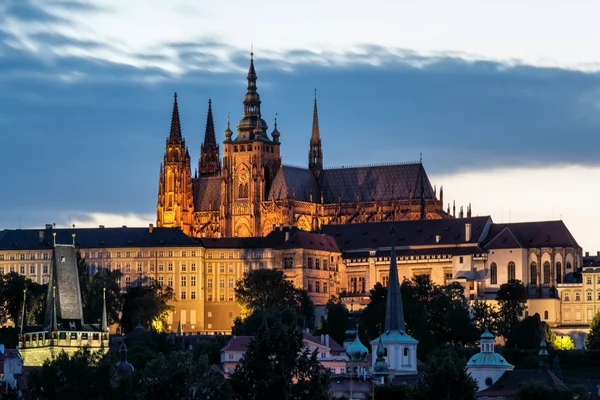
(249, 190)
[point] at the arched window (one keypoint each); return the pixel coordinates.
(406, 352)
(547, 272)
(511, 271)
(546, 314)
(558, 272)
(533, 273)
(493, 274)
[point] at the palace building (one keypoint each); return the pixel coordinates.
(246, 190)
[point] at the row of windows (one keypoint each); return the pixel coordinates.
(588, 296)
(140, 254)
(494, 272)
(254, 254)
(221, 297)
(357, 285)
(209, 283)
(22, 269)
(588, 280)
(23, 256)
(248, 147)
(317, 285)
(183, 295)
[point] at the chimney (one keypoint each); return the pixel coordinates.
(598, 253)
(41, 236)
(587, 253)
(438, 238)
(287, 236)
(322, 339)
(123, 226)
(101, 226)
(150, 228)
(48, 226)
(467, 232)
(274, 227)
(281, 227)
(327, 340)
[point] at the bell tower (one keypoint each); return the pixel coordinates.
(175, 198)
(250, 162)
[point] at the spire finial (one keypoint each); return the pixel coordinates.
(315, 94)
(421, 158)
(276, 114)
(251, 51)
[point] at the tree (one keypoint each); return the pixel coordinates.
(148, 305)
(267, 289)
(274, 357)
(512, 299)
(592, 340)
(336, 322)
(563, 343)
(446, 378)
(392, 391)
(484, 316)
(529, 332)
(12, 286)
(92, 287)
(540, 391)
(211, 348)
(84, 375)
(373, 316)
(178, 376)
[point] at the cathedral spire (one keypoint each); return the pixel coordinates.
(175, 133)
(209, 164)
(394, 314)
(315, 153)
(104, 326)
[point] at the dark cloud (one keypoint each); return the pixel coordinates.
(85, 134)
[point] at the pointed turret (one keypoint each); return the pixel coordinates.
(104, 326)
(315, 153)
(394, 313)
(209, 164)
(275, 134)
(252, 113)
(175, 133)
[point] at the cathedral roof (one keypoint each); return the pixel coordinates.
(530, 234)
(294, 182)
(308, 240)
(378, 182)
(38, 239)
(207, 193)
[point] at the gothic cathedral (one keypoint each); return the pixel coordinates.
(249, 190)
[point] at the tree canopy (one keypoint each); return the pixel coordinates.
(148, 305)
(445, 378)
(92, 287)
(592, 340)
(12, 286)
(512, 300)
(336, 321)
(529, 332)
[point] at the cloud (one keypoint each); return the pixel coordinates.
(94, 219)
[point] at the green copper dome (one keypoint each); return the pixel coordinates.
(357, 351)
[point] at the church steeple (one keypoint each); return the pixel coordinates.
(394, 314)
(209, 164)
(252, 115)
(315, 153)
(175, 133)
(104, 323)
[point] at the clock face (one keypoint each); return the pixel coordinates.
(243, 175)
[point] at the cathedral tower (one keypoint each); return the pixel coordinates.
(175, 198)
(250, 161)
(315, 154)
(209, 164)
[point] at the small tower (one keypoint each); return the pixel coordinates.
(543, 355)
(124, 368)
(315, 153)
(104, 326)
(357, 357)
(487, 366)
(380, 368)
(210, 163)
(401, 348)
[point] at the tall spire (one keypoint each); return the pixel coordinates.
(23, 322)
(315, 153)
(209, 164)
(104, 326)
(175, 133)
(394, 314)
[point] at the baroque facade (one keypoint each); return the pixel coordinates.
(249, 190)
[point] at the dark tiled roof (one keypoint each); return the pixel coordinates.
(531, 234)
(295, 182)
(373, 235)
(234, 243)
(32, 239)
(384, 182)
(207, 193)
(452, 251)
(238, 343)
(65, 278)
(510, 382)
(307, 240)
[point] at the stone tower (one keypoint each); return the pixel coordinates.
(175, 197)
(315, 153)
(210, 163)
(250, 161)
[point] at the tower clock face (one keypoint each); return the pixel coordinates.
(243, 175)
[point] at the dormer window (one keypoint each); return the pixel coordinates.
(62, 258)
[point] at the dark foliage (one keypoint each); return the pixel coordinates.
(512, 300)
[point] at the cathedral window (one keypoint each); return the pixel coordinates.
(546, 272)
(494, 274)
(533, 273)
(511, 271)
